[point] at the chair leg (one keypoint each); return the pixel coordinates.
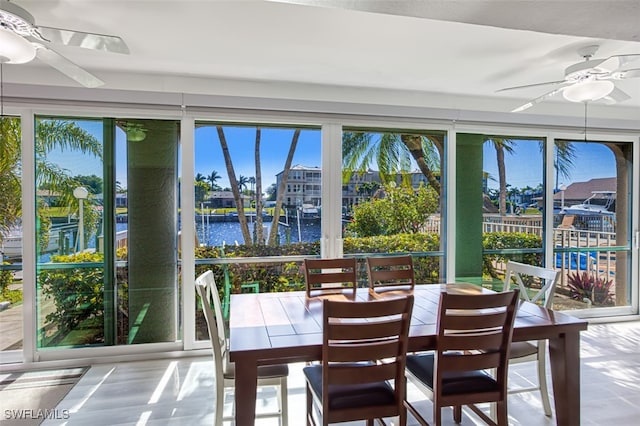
(219, 402)
(284, 402)
(542, 381)
(457, 414)
(437, 415)
(309, 406)
(502, 418)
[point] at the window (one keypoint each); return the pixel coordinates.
(392, 196)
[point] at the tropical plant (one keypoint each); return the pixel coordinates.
(392, 153)
(213, 178)
(402, 210)
(501, 146)
(586, 286)
(77, 292)
(49, 135)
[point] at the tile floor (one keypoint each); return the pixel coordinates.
(180, 391)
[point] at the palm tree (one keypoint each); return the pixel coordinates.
(280, 192)
(563, 162)
(392, 154)
(501, 145)
(213, 178)
(258, 191)
(200, 178)
(49, 135)
(235, 186)
(242, 182)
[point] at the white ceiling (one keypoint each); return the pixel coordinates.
(306, 51)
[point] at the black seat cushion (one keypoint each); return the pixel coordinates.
(350, 396)
(421, 366)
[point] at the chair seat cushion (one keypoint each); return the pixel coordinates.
(421, 366)
(522, 349)
(264, 371)
(350, 396)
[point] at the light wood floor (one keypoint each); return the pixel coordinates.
(181, 391)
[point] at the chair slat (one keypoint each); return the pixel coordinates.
(363, 351)
(472, 341)
(360, 375)
(469, 362)
(474, 322)
(373, 330)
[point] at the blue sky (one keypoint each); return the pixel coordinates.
(523, 168)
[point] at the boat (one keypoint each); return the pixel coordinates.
(11, 245)
(587, 208)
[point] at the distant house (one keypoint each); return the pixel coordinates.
(221, 200)
(600, 191)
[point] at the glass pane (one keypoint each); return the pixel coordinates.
(513, 204)
(10, 235)
(392, 196)
(499, 205)
(592, 225)
(274, 174)
(70, 263)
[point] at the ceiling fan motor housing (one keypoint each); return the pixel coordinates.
(16, 19)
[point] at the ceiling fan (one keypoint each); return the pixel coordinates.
(589, 80)
(21, 40)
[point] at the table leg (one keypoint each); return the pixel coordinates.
(564, 357)
(245, 391)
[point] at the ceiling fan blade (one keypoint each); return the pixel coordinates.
(538, 99)
(615, 62)
(626, 74)
(615, 96)
(526, 86)
(67, 67)
(104, 42)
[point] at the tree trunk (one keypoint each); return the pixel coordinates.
(280, 191)
(258, 193)
(237, 196)
(502, 178)
(414, 144)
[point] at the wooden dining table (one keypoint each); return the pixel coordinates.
(276, 328)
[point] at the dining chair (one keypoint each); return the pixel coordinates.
(364, 348)
(546, 280)
(388, 272)
(323, 276)
(269, 375)
(473, 334)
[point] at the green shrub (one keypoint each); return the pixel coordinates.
(77, 292)
(509, 240)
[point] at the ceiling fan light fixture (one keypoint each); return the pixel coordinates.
(14, 49)
(590, 90)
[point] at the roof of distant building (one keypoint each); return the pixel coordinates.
(584, 190)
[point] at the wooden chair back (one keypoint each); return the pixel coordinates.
(324, 276)
(474, 334)
(365, 343)
(548, 279)
(390, 271)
